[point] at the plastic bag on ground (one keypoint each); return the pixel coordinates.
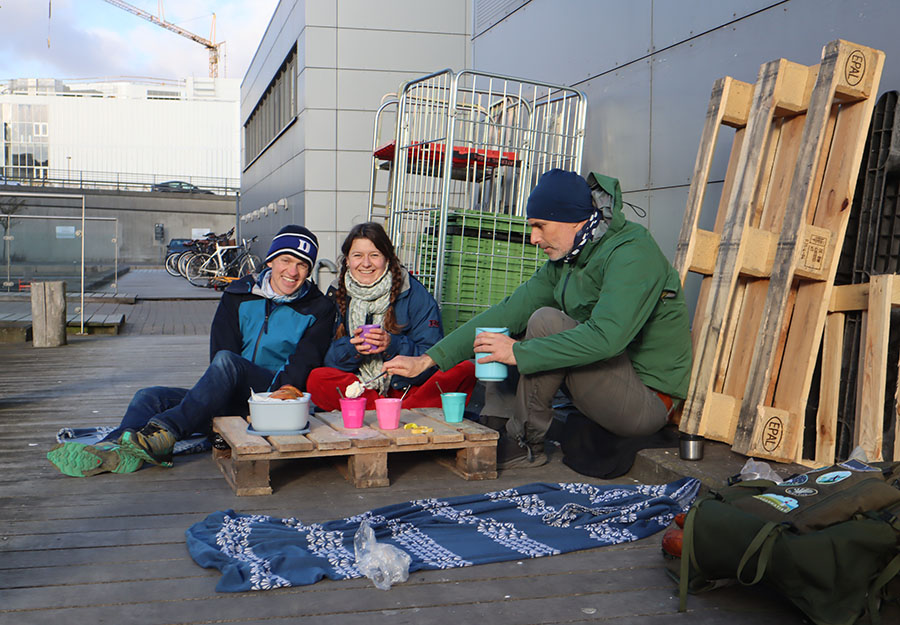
(756, 470)
(383, 564)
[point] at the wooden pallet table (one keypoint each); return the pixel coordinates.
(246, 463)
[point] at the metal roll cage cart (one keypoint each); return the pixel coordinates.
(467, 149)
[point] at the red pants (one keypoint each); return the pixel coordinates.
(323, 383)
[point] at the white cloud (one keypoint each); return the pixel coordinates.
(90, 38)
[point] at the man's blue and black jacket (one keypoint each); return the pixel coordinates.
(289, 339)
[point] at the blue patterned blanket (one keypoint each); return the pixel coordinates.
(259, 552)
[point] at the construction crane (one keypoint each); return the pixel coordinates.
(160, 21)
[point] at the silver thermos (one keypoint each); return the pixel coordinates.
(690, 447)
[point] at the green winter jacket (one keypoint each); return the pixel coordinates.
(621, 289)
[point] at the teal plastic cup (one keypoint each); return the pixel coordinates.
(490, 371)
(453, 404)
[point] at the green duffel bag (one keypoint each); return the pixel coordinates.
(828, 540)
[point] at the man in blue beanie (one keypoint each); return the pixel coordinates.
(269, 330)
(604, 320)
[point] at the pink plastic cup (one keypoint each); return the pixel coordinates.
(365, 329)
(352, 411)
(387, 409)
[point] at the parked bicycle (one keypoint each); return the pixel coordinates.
(176, 261)
(224, 265)
(174, 250)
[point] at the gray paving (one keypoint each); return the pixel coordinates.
(153, 283)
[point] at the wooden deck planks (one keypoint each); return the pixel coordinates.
(111, 548)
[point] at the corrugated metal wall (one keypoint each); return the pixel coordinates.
(648, 66)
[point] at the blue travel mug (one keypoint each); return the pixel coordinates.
(490, 371)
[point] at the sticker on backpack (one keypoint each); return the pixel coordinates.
(779, 502)
(833, 477)
(856, 465)
(801, 491)
(795, 481)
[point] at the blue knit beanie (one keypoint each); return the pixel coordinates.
(296, 241)
(560, 196)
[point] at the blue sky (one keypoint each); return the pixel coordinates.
(94, 39)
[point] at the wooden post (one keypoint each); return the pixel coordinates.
(48, 313)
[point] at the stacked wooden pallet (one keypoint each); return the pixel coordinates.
(769, 263)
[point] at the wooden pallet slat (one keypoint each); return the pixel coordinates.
(325, 437)
(359, 437)
(234, 431)
(870, 405)
(469, 429)
(829, 393)
(400, 436)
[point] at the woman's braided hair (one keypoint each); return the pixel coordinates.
(375, 233)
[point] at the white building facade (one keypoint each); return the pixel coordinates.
(138, 132)
(309, 98)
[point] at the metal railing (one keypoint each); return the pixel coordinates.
(111, 181)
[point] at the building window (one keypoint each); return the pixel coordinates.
(274, 111)
(24, 138)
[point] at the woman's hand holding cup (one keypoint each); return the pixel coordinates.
(370, 339)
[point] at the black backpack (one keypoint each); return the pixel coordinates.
(828, 540)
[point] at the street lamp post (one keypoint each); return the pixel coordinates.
(68, 170)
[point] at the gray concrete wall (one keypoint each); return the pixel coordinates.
(137, 214)
(648, 66)
(350, 53)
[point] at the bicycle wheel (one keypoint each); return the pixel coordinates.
(183, 261)
(172, 264)
(249, 264)
(196, 272)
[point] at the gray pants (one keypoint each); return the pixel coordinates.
(608, 392)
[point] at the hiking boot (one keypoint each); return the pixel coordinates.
(153, 444)
(513, 453)
(80, 460)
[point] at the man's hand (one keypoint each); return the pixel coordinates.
(499, 348)
(408, 366)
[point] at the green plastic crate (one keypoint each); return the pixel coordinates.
(486, 257)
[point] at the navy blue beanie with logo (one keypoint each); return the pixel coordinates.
(560, 195)
(296, 241)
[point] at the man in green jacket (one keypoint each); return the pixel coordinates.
(604, 319)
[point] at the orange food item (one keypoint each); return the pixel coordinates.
(287, 392)
(679, 519)
(671, 541)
